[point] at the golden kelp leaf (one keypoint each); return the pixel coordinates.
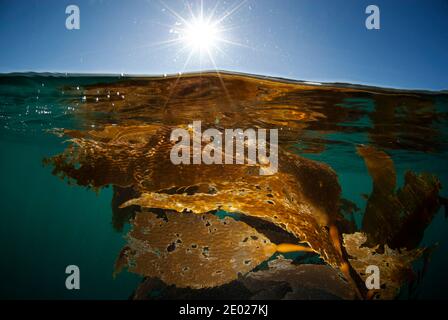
(122, 156)
(397, 217)
(196, 251)
(382, 215)
(395, 265)
(237, 198)
(381, 168)
(302, 197)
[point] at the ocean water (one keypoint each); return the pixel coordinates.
(48, 224)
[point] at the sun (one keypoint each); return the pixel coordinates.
(200, 35)
(202, 32)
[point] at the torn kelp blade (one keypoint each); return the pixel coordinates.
(395, 265)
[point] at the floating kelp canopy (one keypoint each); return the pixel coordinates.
(393, 119)
(173, 209)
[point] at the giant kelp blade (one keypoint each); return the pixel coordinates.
(382, 215)
(397, 217)
(196, 251)
(302, 198)
(420, 199)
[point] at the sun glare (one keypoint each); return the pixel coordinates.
(202, 32)
(200, 35)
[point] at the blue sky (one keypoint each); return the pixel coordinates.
(314, 40)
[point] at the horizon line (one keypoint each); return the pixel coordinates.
(225, 72)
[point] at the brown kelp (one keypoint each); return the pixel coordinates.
(175, 246)
(282, 279)
(302, 112)
(397, 217)
(302, 197)
(172, 209)
(395, 265)
(393, 223)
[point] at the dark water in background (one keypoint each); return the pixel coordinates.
(47, 224)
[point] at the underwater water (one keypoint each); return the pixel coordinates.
(75, 148)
